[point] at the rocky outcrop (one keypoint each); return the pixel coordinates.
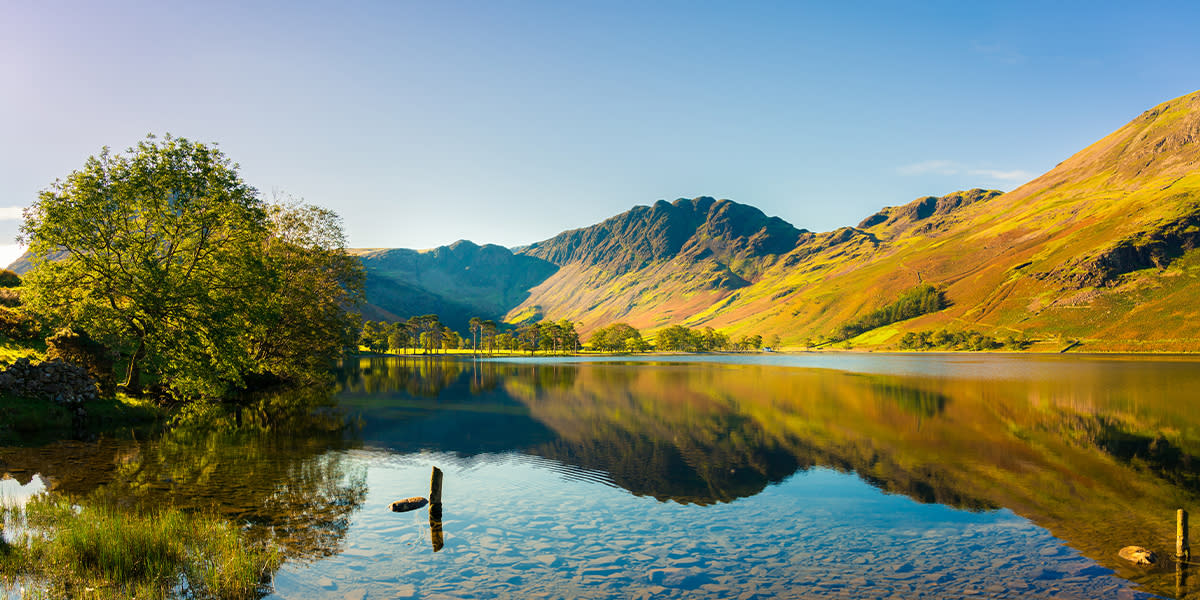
(1155, 247)
(917, 212)
(697, 227)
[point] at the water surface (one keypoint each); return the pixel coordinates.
(822, 475)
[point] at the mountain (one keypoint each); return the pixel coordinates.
(1101, 250)
(655, 265)
(457, 282)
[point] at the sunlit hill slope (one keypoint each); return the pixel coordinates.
(1100, 250)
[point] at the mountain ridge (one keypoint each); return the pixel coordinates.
(1100, 249)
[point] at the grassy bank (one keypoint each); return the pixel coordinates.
(105, 551)
(31, 421)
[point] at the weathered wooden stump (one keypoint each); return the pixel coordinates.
(408, 504)
(1182, 550)
(435, 527)
(435, 487)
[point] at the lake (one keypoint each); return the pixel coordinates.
(842, 475)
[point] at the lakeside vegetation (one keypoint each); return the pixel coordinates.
(113, 552)
(188, 282)
(162, 291)
(426, 335)
(970, 340)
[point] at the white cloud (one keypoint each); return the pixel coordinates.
(1014, 175)
(11, 213)
(949, 167)
(936, 167)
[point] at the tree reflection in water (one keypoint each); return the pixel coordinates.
(1099, 452)
(274, 464)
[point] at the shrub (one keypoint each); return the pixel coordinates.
(9, 279)
(17, 325)
(77, 348)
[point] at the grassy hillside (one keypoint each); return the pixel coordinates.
(1100, 250)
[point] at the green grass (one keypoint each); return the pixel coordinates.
(63, 550)
(25, 420)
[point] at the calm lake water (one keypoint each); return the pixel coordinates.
(759, 476)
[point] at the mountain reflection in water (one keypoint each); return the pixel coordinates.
(1099, 451)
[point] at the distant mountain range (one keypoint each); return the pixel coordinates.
(1101, 249)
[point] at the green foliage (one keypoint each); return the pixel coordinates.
(398, 338)
(135, 554)
(10, 297)
(618, 337)
(77, 348)
(166, 256)
(16, 324)
(424, 332)
(374, 335)
(9, 279)
(918, 301)
(550, 336)
(678, 338)
(956, 340)
(33, 419)
(300, 322)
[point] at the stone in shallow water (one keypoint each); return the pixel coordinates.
(408, 504)
(1137, 555)
(687, 579)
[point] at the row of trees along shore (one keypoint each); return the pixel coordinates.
(426, 334)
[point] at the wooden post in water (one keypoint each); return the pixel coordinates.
(1180, 579)
(1182, 551)
(435, 527)
(435, 486)
(435, 510)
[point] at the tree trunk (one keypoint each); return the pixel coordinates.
(133, 374)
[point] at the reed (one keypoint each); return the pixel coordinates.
(65, 549)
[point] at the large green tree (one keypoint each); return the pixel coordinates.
(167, 256)
(299, 322)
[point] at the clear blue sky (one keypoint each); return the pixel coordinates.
(507, 122)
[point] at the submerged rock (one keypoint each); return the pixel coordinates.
(1137, 555)
(408, 504)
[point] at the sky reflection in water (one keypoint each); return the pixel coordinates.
(898, 476)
